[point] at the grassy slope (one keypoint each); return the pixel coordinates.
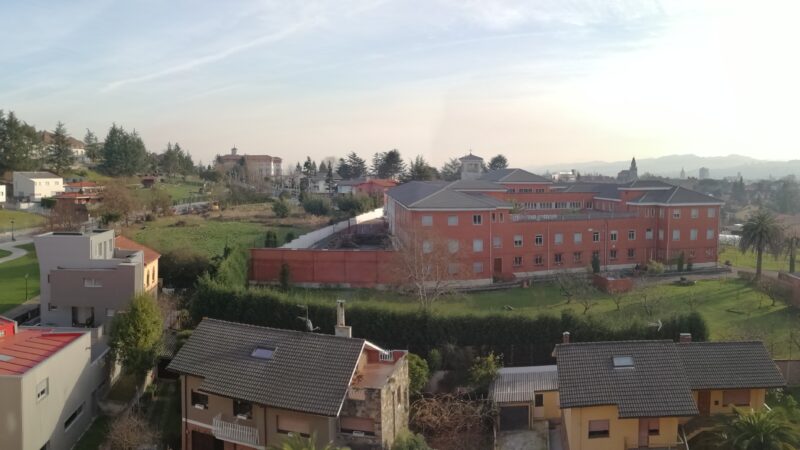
(732, 309)
(12, 279)
(739, 259)
(21, 219)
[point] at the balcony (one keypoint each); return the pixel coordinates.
(234, 429)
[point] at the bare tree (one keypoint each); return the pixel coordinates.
(130, 431)
(66, 217)
(451, 422)
(617, 298)
(575, 286)
(426, 264)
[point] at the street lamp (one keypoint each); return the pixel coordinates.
(12, 230)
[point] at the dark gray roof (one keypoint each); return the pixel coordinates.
(441, 195)
(646, 184)
(729, 365)
(655, 387)
(480, 185)
(408, 193)
(308, 372)
(676, 195)
(470, 157)
(514, 176)
(520, 384)
(38, 174)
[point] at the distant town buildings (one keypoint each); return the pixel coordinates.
(705, 173)
(254, 170)
(632, 174)
(565, 176)
(34, 186)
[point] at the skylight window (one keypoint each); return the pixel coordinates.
(262, 353)
(623, 362)
(5, 358)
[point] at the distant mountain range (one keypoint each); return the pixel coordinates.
(671, 165)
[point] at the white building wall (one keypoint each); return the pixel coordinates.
(36, 188)
(3, 193)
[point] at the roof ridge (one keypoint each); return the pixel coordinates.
(434, 192)
(262, 327)
(674, 190)
(619, 342)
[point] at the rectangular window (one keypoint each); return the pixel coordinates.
(427, 221)
(477, 245)
(293, 425)
(676, 213)
(596, 236)
(612, 254)
(538, 400)
(596, 254)
(710, 233)
(72, 417)
(695, 213)
(199, 401)
(736, 397)
(631, 235)
(661, 213)
(712, 212)
(557, 258)
(660, 235)
(648, 234)
(452, 246)
(631, 253)
(539, 240)
(452, 268)
(427, 247)
(518, 240)
(613, 236)
(598, 429)
(559, 238)
(497, 242)
(693, 234)
(477, 219)
(477, 267)
(357, 425)
(577, 238)
(42, 389)
(452, 221)
(676, 235)
(242, 409)
(92, 283)
(576, 257)
(538, 260)
(517, 261)
(653, 427)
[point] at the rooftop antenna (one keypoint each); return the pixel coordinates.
(309, 326)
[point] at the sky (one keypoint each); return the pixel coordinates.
(540, 81)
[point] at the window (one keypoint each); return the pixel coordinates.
(660, 235)
(477, 267)
(293, 425)
(631, 235)
(558, 258)
(676, 235)
(559, 238)
(42, 389)
(538, 400)
(200, 401)
(497, 242)
(427, 247)
(518, 240)
(452, 268)
(427, 221)
(539, 240)
(452, 246)
(596, 236)
(92, 283)
(613, 236)
(538, 260)
(661, 213)
(517, 261)
(709, 252)
(598, 429)
(576, 257)
(539, 190)
(676, 213)
(712, 212)
(75, 414)
(612, 254)
(693, 234)
(648, 234)
(653, 427)
(695, 213)
(242, 409)
(710, 233)
(477, 219)
(577, 238)
(631, 253)
(357, 425)
(452, 221)
(262, 353)
(736, 397)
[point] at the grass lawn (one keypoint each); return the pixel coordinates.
(21, 220)
(123, 389)
(95, 435)
(739, 259)
(12, 279)
(88, 175)
(164, 412)
(4, 253)
(731, 308)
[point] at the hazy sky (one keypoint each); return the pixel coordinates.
(541, 81)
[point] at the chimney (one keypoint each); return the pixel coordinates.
(342, 329)
(685, 338)
(565, 337)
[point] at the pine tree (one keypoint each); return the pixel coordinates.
(358, 167)
(94, 150)
(419, 170)
(124, 153)
(498, 162)
(451, 170)
(59, 155)
(19, 144)
(329, 179)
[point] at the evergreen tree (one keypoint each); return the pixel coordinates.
(59, 155)
(498, 162)
(761, 233)
(358, 167)
(420, 170)
(19, 144)
(329, 183)
(124, 153)
(388, 164)
(135, 335)
(94, 150)
(451, 170)
(738, 190)
(344, 170)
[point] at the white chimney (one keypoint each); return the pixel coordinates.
(565, 337)
(342, 329)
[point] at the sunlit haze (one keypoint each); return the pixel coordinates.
(539, 81)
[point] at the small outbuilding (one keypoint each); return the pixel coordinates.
(524, 395)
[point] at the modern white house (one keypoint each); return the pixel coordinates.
(34, 186)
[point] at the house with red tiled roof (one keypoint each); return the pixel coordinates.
(150, 261)
(49, 379)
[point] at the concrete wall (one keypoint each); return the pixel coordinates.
(309, 239)
(356, 268)
(38, 188)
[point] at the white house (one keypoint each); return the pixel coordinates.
(35, 186)
(2, 193)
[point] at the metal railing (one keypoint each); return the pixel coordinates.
(234, 429)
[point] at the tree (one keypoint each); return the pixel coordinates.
(160, 201)
(285, 277)
(20, 144)
(410, 441)
(93, 149)
(420, 170)
(453, 423)
(316, 205)
(451, 170)
(135, 335)
(182, 267)
(761, 233)
(289, 237)
(130, 431)
(418, 373)
(738, 190)
(271, 239)
(757, 430)
(66, 216)
(498, 162)
(329, 182)
(59, 154)
(124, 153)
(352, 166)
(792, 242)
(117, 202)
(423, 264)
(298, 442)
(309, 167)
(484, 371)
(388, 164)
(281, 208)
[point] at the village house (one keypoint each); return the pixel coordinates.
(251, 387)
(34, 186)
(255, 170)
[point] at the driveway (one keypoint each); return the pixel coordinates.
(533, 439)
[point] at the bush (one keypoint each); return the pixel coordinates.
(655, 267)
(181, 268)
(435, 360)
(410, 441)
(316, 205)
(281, 208)
(483, 372)
(48, 203)
(679, 261)
(289, 237)
(418, 373)
(271, 239)
(354, 205)
(595, 263)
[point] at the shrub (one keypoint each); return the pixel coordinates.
(418, 373)
(410, 441)
(316, 205)
(182, 267)
(655, 267)
(271, 239)
(595, 263)
(48, 203)
(435, 360)
(354, 205)
(281, 208)
(679, 261)
(484, 371)
(289, 237)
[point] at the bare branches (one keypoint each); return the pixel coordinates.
(450, 422)
(426, 264)
(130, 431)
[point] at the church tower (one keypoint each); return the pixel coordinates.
(471, 167)
(633, 172)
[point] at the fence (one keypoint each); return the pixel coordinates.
(355, 268)
(309, 239)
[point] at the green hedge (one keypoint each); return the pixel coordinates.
(521, 340)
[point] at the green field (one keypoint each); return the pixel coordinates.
(739, 259)
(4, 253)
(731, 308)
(88, 175)
(21, 220)
(12, 279)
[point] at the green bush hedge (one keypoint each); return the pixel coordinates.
(521, 340)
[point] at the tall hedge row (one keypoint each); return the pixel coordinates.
(521, 340)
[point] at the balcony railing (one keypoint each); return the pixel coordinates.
(234, 429)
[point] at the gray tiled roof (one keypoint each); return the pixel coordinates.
(655, 387)
(38, 174)
(482, 185)
(441, 195)
(676, 195)
(413, 191)
(308, 372)
(729, 365)
(646, 184)
(514, 176)
(470, 157)
(520, 384)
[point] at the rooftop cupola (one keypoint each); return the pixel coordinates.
(471, 167)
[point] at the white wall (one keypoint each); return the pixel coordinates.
(36, 188)
(2, 193)
(309, 239)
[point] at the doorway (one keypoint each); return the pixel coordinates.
(498, 265)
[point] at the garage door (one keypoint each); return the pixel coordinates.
(514, 418)
(203, 441)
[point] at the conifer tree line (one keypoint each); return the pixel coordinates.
(122, 153)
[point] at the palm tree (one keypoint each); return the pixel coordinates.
(761, 233)
(757, 430)
(298, 442)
